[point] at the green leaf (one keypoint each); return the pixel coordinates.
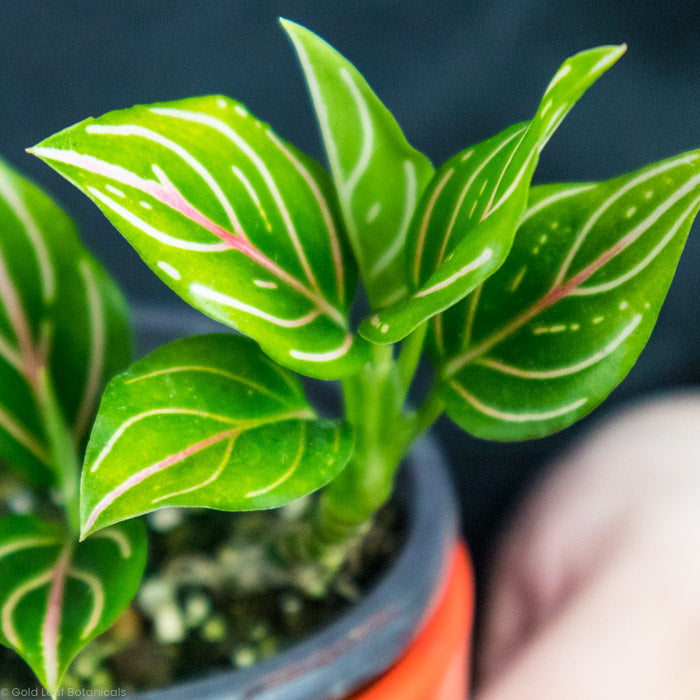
(545, 339)
(238, 222)
(58, 309)
(378, 176)
(207, 421)
(56, 595)
(466, 220)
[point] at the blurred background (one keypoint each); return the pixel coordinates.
(452, 72)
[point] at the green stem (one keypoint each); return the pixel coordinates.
(61, 448)
(373, 400)
(384, 431)
(411, 351)
(426, 414)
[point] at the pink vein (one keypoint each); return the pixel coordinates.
(50, 629)
(31, 362)
(142, 475)
(555, 294)
(164, 191)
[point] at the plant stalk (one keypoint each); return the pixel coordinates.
(384, 431)
(409, 358)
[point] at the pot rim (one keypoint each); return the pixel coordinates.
(366, 640)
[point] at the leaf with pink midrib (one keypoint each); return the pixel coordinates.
(548, 336)
(195, 423)
(58, 309)
(231, 217)
(56, 595)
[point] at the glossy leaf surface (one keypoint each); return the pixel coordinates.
(467, 217)
(232, 218)
(378, 176)
(58, 309)
(57, 595)
(545, 339)
(208, 421)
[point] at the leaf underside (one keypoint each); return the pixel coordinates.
(547, 337)
(235, 220)
(466, 219)
(58, 308)
(57, 595)
(378, 176)
(207, 421)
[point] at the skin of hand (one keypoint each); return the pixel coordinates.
(594, 593)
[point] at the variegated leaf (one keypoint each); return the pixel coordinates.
(235, 220)
(56, 594)
(58, 309)
(545, 339)
(207, 421)
(378, 176)
(465, 222)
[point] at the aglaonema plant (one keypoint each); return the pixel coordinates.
(532, 302)
(63, 332)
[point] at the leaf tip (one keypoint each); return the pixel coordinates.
(36, 150)
(288, 25)
(86, 530)
(598, 59)
(613, 53)
(298, 32)
(618, 50)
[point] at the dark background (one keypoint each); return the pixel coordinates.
(451, 72)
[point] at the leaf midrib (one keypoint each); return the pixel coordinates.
(183, 454)
(559, 291)
(167, 194)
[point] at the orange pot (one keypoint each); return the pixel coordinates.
(435, 666)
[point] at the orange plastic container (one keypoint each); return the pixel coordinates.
(435, 666)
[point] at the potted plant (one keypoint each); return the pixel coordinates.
(527, 332)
